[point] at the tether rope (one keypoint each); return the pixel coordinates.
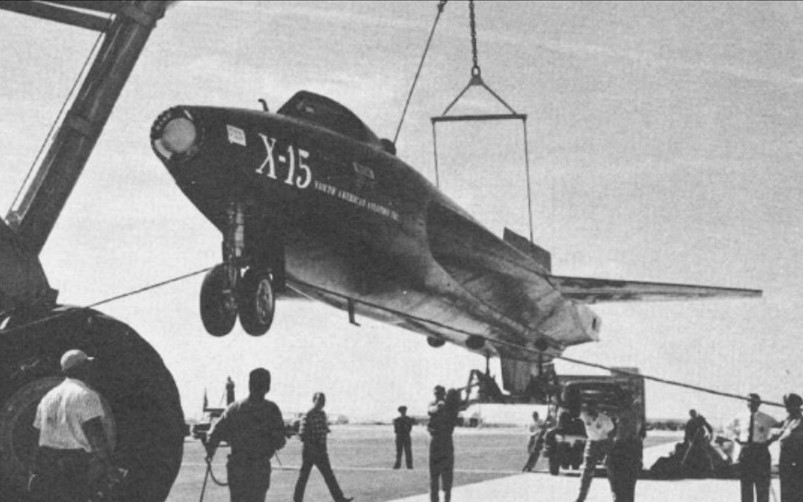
(441, 5)
(530, 350)
(517, 346)
(102, 302)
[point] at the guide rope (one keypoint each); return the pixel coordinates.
(517, 346)
(532, 350)
(43, 320)
(441, 5)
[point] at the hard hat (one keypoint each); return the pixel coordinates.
(73, 358)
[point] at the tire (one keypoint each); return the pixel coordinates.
(218, 311)
(146, 421)
(554, 465)
(256, 302)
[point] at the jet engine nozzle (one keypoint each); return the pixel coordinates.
(174, 133)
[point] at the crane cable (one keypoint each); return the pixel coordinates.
(56, 121)
(441, 5)
(475, 69)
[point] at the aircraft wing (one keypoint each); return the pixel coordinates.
(587, 290)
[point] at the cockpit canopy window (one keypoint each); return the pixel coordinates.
(329, 114)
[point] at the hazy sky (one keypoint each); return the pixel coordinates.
(665, 144)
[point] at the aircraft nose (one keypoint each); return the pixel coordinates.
(174, 133)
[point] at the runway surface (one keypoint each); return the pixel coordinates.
(487, 469)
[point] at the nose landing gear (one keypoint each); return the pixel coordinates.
(225, 294)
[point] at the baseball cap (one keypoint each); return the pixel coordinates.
(73, 358)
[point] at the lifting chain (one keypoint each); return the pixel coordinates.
(475, 70)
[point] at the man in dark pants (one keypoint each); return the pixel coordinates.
(255, 430)
(753, 430)
(624, 461)
(312, 432)
(72, 441)
(442, 420)
(402, 426)
(790, 464)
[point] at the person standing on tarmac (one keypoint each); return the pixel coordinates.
(753, 434)
(790, 464)
(402, 426)
(599, 427)
(71, 437)
(312, 431)
(536, 443)
(624, 459)
(442, 420)
(255, 430)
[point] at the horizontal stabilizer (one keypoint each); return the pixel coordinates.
(588, 290)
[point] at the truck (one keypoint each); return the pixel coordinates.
(564, 444)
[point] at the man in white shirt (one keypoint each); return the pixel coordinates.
(599, 427)
(71, 435)
(752, 431)
(536, 443)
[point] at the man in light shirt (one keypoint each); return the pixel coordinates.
(752, 431)
(71, 435)
(599, 427)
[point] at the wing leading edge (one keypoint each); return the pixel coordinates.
(588, 290)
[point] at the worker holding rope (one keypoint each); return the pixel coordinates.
(255, 430)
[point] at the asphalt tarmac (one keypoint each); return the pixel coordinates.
(487, 469)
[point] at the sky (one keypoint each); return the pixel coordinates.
(665, 142)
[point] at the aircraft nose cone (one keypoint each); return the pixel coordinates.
(178, 135)
(174, 134)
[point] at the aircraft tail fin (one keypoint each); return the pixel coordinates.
(541, 255)
(587, 290)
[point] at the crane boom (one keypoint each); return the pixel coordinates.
(28, 225)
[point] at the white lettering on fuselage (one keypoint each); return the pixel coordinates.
(299, 174)
(356, 200)
(294, 162)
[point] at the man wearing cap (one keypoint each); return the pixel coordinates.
(752, 430)
(255, 430)
(402, 426)
(71, 436)
(790, 465)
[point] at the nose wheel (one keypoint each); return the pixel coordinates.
(256, 301)
(218, 304)
(224, 295)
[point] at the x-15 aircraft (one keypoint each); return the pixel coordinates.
(310, 201)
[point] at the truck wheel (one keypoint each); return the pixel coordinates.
(218, 310)
(145, 418)
(256, 302)
(554, 466)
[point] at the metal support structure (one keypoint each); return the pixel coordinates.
(474, 81)
(125, 28)
(125, 37)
